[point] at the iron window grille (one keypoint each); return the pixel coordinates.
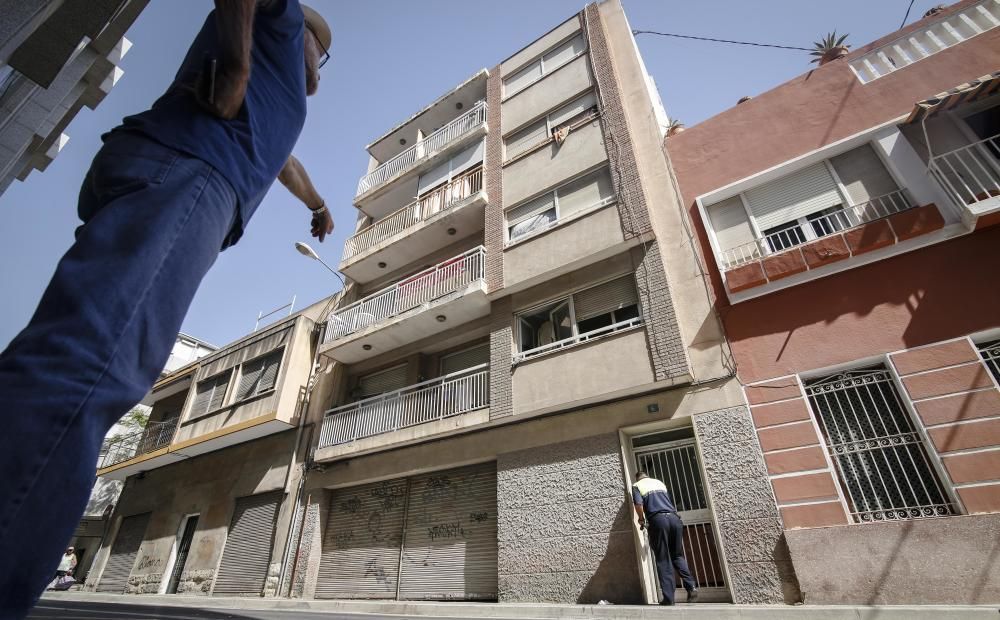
(879, 455)
(991, 355)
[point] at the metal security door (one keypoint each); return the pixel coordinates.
(243, 569)
(361, 547)
(676, 464)
(450, 539)
(123, 552)
(182, 554)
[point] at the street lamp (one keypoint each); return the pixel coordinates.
(305, 250)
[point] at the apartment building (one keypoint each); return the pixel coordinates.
(526, 325)
(848, 219)
(55, 58)
(209, 483)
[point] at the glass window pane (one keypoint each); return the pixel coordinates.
(575, 108)
(533, 223)
(522, 78)
(564, 53)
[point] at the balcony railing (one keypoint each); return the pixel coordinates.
(154, 436)
(458, 392)
(450, 276)
(433, 143)
(970, 174)
(441, 199)
(828, 224)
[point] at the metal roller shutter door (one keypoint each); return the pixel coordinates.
(450, 542)
(123, 552)
(245, 559)
(361, 545)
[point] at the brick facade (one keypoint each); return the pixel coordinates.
(618, 142)
(666, 347)
(501, 356)
(493, 182)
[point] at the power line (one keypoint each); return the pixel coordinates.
(687, 36)
(905, 17)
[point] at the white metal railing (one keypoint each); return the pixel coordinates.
(928, 40)
(441, 199)
(821, 226)
(452, 394)
(447, 277)
(970, 174)
(429, 145)
(573, 340)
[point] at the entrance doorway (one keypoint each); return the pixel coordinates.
(672, 457)
(183, 548)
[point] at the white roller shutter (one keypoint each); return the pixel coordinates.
(730, 223)
(584, 193)
(364, 531)
(465, 359)
(863, 174)
(123, 552)
(563, 54)
(388, 380)
(467, 158)
(574, 108)
(791, 197)
(450, 540)
(604, 298)
(523, 140)
(243, 570)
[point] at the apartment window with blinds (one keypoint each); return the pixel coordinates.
(211, 394)
(598, 310)
(591, 191)
(259, 376)
(842, 192)
(541, 130)
(991, 355)
(543, 65)
(879, 455)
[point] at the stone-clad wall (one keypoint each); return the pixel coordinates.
(747, 519)
(564, 531)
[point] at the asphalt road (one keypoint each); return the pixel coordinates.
(74, 610)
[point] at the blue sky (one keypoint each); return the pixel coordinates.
(390, 58)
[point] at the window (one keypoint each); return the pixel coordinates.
(589, 191)
(880, 458)
(259, 375)
(541, 130)
(544, 64)
(211, 394)
(827, 197)
(604, 308)
(991, 355)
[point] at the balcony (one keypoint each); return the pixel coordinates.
(970, 175)
(125, 454)
(421, 227)
(459, 131)
(840, 235)
(460, 392)
(399, 314)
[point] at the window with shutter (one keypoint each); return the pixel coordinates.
(388, 380)
(863, 174)
(547, 63)
(467, 358)
(523, 140)
(531, 216)
(794, 196)
(570, 112)
(730, 223)
(605, 298)
(210, 394)
(518, 81)
(219, 391)
(584, 193)
(562, 54)
(259, 375)
(541, 130)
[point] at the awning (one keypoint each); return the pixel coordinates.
(979, 88)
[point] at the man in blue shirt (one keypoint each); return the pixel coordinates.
(170, 187)
(656, 511)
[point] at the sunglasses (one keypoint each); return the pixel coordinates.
(325, 56)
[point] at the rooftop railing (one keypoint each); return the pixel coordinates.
(970, 174)
(446, 277)
(455, 393)
(821, 226)
(433, 143)
(154, 436)
(441, 199)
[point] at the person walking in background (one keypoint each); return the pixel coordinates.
(656, 511)
(169, 189)
(67, 563)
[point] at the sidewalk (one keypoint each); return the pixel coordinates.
(707, 611)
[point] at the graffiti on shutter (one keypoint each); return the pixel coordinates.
(123, 552)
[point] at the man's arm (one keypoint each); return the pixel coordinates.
(294, 176)
(224, 86)
(637, 504)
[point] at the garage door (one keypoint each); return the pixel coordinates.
(123, 552)
(427, 537)
(243, 569)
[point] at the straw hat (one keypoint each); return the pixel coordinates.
(318, 26)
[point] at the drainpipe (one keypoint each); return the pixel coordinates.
(310, 384)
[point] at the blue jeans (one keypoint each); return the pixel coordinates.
(153, 223)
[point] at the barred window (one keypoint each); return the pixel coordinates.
(879, 455)
(991, 355)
